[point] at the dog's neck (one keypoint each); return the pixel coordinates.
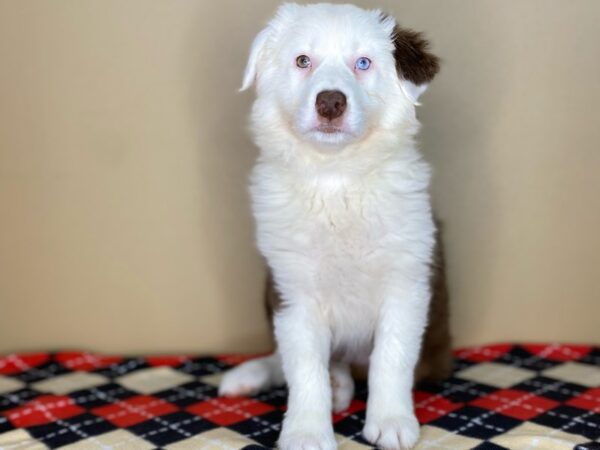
(378, 150)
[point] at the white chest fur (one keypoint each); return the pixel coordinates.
(336, 240)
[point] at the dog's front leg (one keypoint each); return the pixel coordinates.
(391, 423)
(303, 339)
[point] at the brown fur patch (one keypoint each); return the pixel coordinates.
(435, 362)
(272, 301)
(414, 61)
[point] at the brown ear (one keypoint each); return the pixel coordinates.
(414, 62)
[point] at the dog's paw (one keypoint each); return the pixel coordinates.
(246, 379)
(306, 442)
(305, 437)
(342, 389)
(394, 432)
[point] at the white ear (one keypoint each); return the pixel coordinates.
(413, 91)
(257, 48)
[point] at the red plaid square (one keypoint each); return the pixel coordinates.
(85, 361)
(589, 400)
(226, 411)
(234, 360)
(43, 410)
(21, 363)
(518, 404)
(429, 406)
(559, 352)
(166, 360)
(134, 410)
(483, 354)
(355, 406)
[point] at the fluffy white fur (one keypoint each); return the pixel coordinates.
(344, 222)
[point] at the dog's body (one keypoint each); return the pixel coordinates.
(343, 218)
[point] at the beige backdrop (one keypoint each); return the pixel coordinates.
(123, 163)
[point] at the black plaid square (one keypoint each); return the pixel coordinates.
(519, 357)
(187, 394)
(592, 358)
(489, 446)
(458, 390)
(264, 429)
(476, 422)
(42, 372)
(352, 427)
(63, 432)
(203, 366)
(123, 367)
(460, 364)
(588, 446)
(16, 398)
(171, 428)
(5, 425)
(101, 395)
(275, 397)
(572, 420)
(560, 391)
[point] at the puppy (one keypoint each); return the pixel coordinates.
(343, 216)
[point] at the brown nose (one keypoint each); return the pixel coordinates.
(331, 104)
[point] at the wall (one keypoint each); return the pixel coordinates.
(124, 219)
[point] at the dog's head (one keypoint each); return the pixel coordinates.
(331, 74)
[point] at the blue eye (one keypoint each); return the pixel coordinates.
(363, 63)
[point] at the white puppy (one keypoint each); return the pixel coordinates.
(343, 216)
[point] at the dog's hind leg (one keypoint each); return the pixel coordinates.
(342, 386)
(252, 377)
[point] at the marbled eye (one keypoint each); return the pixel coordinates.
(363, 63)
(303, 61)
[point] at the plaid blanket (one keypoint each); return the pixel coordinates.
(499, 397)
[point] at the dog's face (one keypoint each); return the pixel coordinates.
(330, 74)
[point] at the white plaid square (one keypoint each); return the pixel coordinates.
(494, 374)
(437, 438)
(8, 384)
(118, 439)
(20, 439)
(70, 382)
(153, 379)
(213, 379)
(217, 439)
(574, 372)
(533, 436)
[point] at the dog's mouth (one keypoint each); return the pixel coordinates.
(329, 129)
(337, 132)
(330, 134)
